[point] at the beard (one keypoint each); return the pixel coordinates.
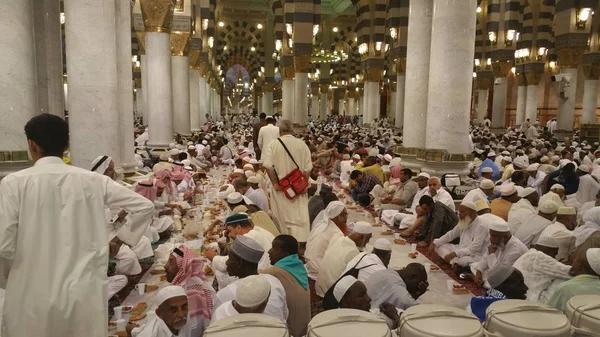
(464, 222)
(179, 324)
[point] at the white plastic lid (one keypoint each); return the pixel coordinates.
(525, 318)
(248, 325)
(438, 320)
(584, 312)
(347, 323)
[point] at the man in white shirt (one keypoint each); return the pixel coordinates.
(504, 249)
(55, 212)
(533, 227)
(485, 189)
(474, 239)
(242, 262)
(257, 197)
(267, 133)
(540, 269)
(562, 231)
(367, 264)
(536, 178)
(524, 209)
(171, 315)
(438, 193)
(393, 217)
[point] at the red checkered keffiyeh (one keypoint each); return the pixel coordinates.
(199, 299)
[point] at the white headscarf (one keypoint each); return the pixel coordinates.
(334, 209)
(591, 225)
(103, 166)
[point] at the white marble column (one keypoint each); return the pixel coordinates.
(144, 71)
(267, 103)
(341, 106)
(417, 72)
(125, 87)
(194, 77)
(287, 100)
(590, 101)
(365, 104)
(48, 52)
(92, 73)
(499, 102)
(351, 106)
(18, 97)
(400, 100)
(566, 108)
(314, 106)
(451, 75)
(359, 104)
(482, 104)
(373, 100)
(203, 97)
(392, 107)
(181, 94)
(532, 102)
(301, 98)
(323, 106)
(160, 99)
(521, 104)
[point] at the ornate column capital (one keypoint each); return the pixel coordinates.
(141, 35)
(288, 72)
(570, 57)
(157, 15)
(502, 68)
(373, 74)
(180, 43)
(302, 63)
(324, 88)
(521, 79)
(533, 77)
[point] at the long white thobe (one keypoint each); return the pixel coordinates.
(531, 231)
(276, 306)
(588, 187)
(391, 216)
(537, 183)
(508, 254)
(267, 134)
(474, 240)
(369, 263)
(263, 237)
(318, 241)
(291, 214)
(336, 258)
(520, 212)
(539, 270)
(53, 250)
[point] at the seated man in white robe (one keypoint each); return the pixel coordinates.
(588, 187)
(485, 189)
(257, 197)
(540, 269)
(536, 178)
(524, 209)
(532, 229)
(562, 231)
(504, 249)
(251, 297)
(339, 253)
(367, 264)
(242, 262)
(408, 216)
(474, 239)
(171, 315)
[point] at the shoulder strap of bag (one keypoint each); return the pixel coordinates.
(288, 152)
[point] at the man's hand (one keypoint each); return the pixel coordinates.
(422, 244)
(113, 248)
(122, 215)
(478, 279)
(449, 257)
(276, 187)
(421, 289)
(390, 311)
(129, 327)
(210, 254)
(492, 249)
(432, 248)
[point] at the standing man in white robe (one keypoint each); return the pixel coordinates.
(53, 251)
(291, 214)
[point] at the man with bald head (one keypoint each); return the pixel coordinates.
(474, 239)
(438, 193)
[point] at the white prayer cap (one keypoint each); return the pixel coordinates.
(424, 175)
(383, 244)
(520, 163)
(507, 159)
(487, 169)
(555, 158)
(593, 258)
(544, 159)
(224, 194)
(190, 143)
(179, 147)
(346, 156)
(469, 204)
(362, 227)
(254, 180)
(499, 274)
(566, 211)
(557, 187)
(508, 189)
(234, 198)
(491, 154)
(547, 241)
(172, 146)
(481, 204)
(191, 147)
(241, 147)
(533, 167)
(548, 207)
(499, 226)
(204, 142)
(253, 291)
(342, 287)
(505, 153)
(526, 191)
(253, 161)
(584, 168)
(247, 249)
(237, 170)
(380, 156)
(248, 167)
(173, 152)
(486, 184)
(167, 293)
(164, 156)
(356, 156)
(334, 209)
(388, 157)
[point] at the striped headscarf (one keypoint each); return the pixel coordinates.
(199, 298)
